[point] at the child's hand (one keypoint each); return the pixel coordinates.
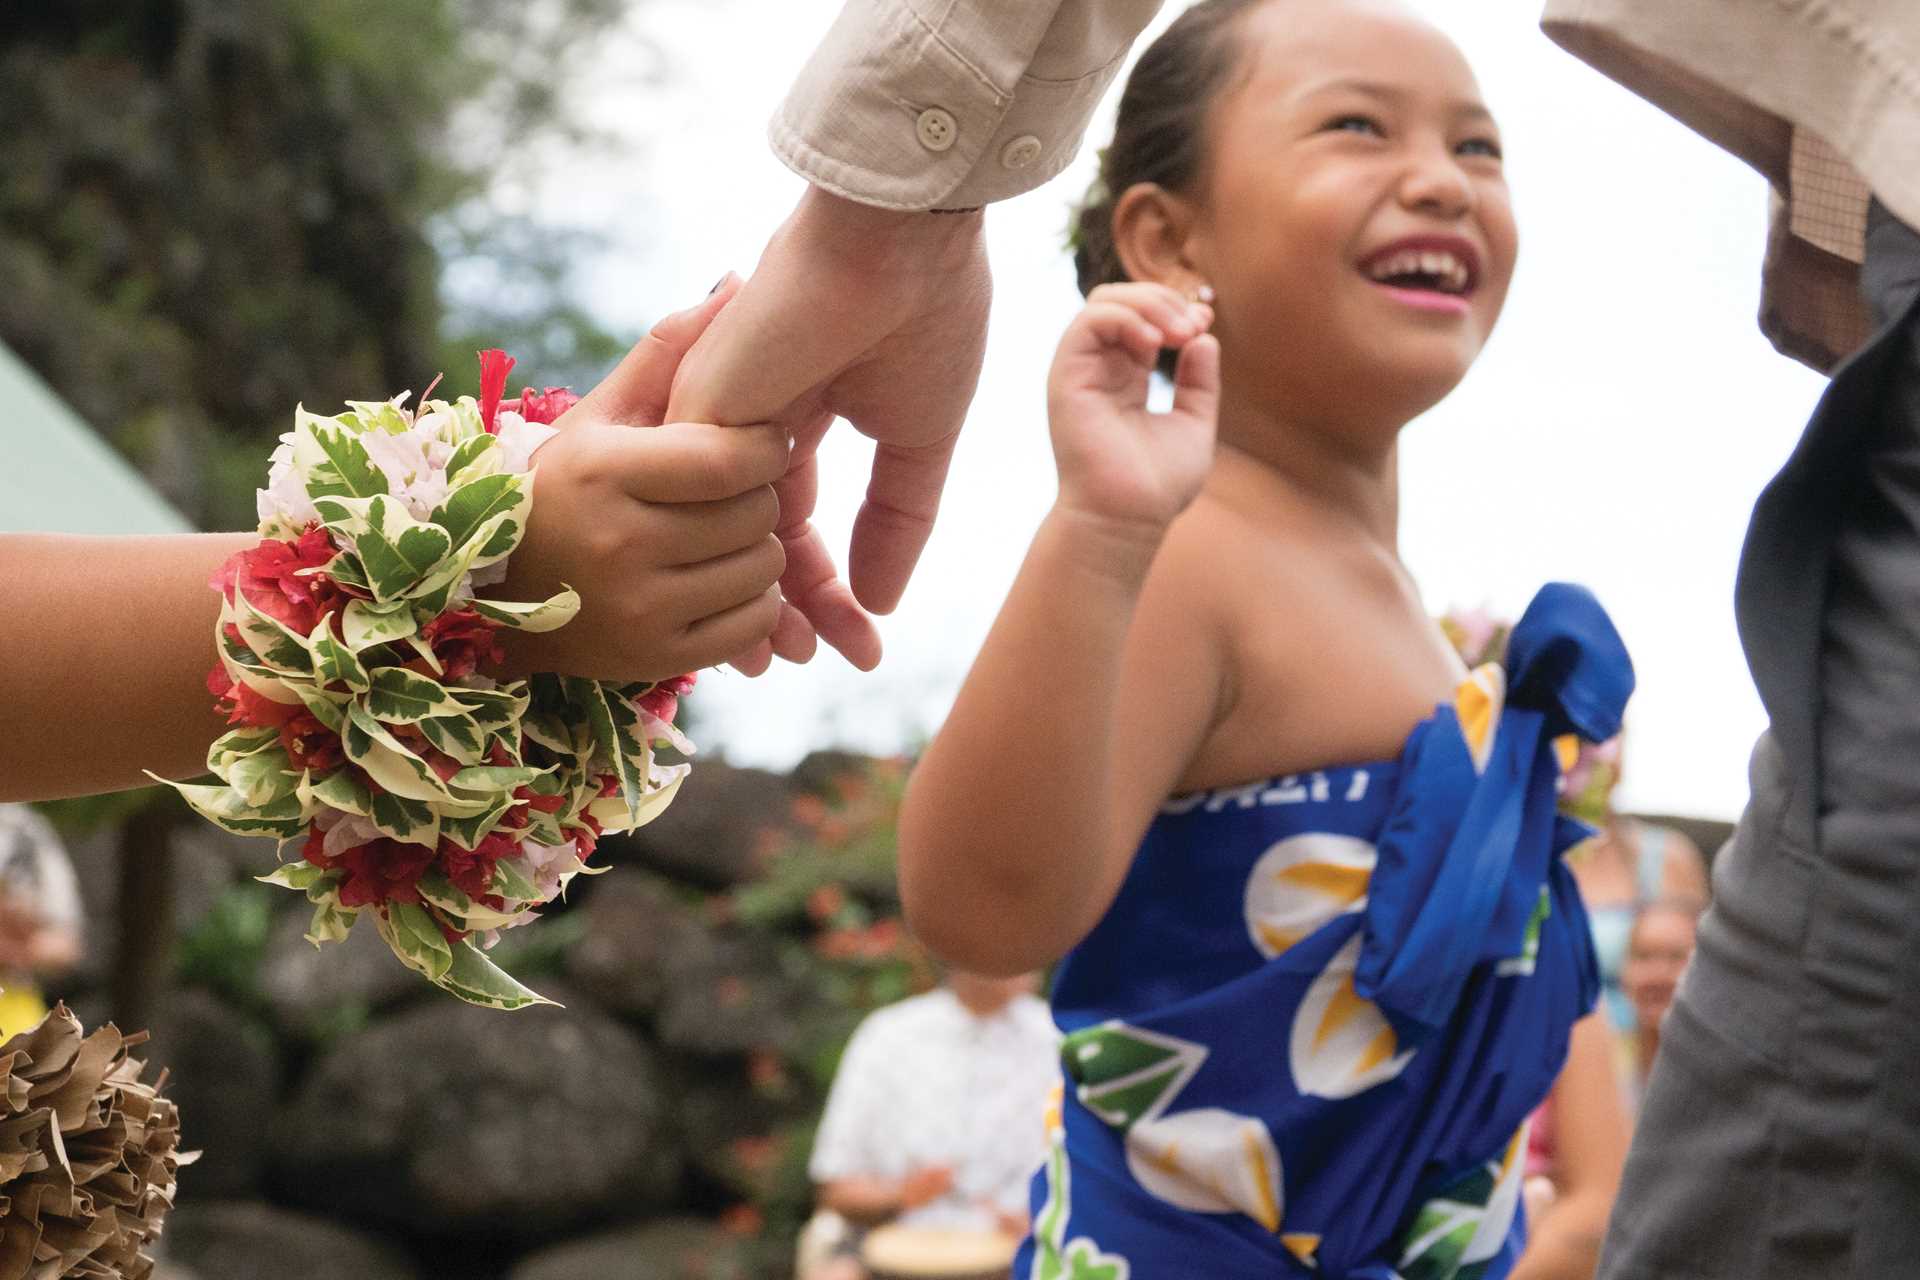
(665, 531)
(1117, 461)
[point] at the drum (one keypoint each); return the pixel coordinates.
(898, 1252)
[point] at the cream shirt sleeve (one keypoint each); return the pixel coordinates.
(949, 104)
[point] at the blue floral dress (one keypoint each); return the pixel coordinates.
(1306, 1037)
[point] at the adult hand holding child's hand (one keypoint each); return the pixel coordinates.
(877, 316)
(666, 532)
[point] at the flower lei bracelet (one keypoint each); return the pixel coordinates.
(438, 801)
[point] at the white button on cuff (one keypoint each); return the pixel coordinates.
(1021, 152)
(937, 129)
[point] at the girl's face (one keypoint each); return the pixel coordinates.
(1356, 223)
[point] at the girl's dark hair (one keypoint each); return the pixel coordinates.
(1160, 134)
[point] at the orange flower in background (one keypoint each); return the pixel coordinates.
(826, 902)
(809, 811)
(744, 1221)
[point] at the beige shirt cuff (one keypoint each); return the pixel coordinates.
(891, 112)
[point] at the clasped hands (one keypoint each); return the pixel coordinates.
(691, 543)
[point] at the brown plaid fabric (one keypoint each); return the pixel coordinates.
(1821, 96)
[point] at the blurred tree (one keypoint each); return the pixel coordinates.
(213, 209)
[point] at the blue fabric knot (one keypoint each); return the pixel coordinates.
(1464, 859)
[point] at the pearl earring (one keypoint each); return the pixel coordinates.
(1203, 293)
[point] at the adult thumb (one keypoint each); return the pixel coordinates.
(636, 392)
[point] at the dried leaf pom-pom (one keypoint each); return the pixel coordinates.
(88, 1154)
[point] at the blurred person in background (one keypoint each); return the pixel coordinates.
(39, 915)
(1629, 863)
(1576, 1148)
(935, 1119)
(1658, 950)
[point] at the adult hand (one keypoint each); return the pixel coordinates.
(925, 1185)
(666, 533)
(875, 316)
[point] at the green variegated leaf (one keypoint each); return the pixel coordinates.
(468, 832)
(471, 506)
(498, 537)
(331, 923)
(611, 738)
(492, 778)
(333, 461)
(434, 592)
(330, 709)
(379, 415)
(292, 875)
(272, 642)
(345, 569)
(478, 980)
(511, 881)
(234, 745)
(263, 779)
(346, 519)
(418, 643)
(333, 661)
(613, 814)
(365, 625)
(547, 615)
(400, 697)
(227, 809)
(386, 759)
(341, 790)
(396, 550)
(551, 732)
(457, 735)
(416, 939)
(474, 449)
(447, 896)
(413, 821)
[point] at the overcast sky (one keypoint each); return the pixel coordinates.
(1615, 433)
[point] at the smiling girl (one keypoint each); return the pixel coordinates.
(1322, 958)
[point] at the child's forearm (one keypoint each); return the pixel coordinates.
(105, 645)
(1008, 822)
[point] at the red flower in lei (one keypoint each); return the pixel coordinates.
(462, 639)
(271, 577)
(381, 871)
(546, 406)
(663, 700)
(471, 870)
(495, 365)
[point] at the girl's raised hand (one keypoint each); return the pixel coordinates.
(1117, 461)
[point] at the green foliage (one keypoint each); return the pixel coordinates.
(211, 210)
(224, 951)
(829, 894)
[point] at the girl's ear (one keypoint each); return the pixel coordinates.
(1154, 237)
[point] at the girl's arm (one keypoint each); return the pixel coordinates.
(105, 644)
(1085, 704)
(1591, 1131)
(667, 534)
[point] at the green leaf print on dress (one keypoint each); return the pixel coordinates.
(1455, 1235)
(1206, 1160)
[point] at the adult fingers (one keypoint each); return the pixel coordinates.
(895, 521)
(794, 639)
(756, 660)
(696, 462)
(636, 392)
(811, 586)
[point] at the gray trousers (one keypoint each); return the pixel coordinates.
(1780, 1135)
